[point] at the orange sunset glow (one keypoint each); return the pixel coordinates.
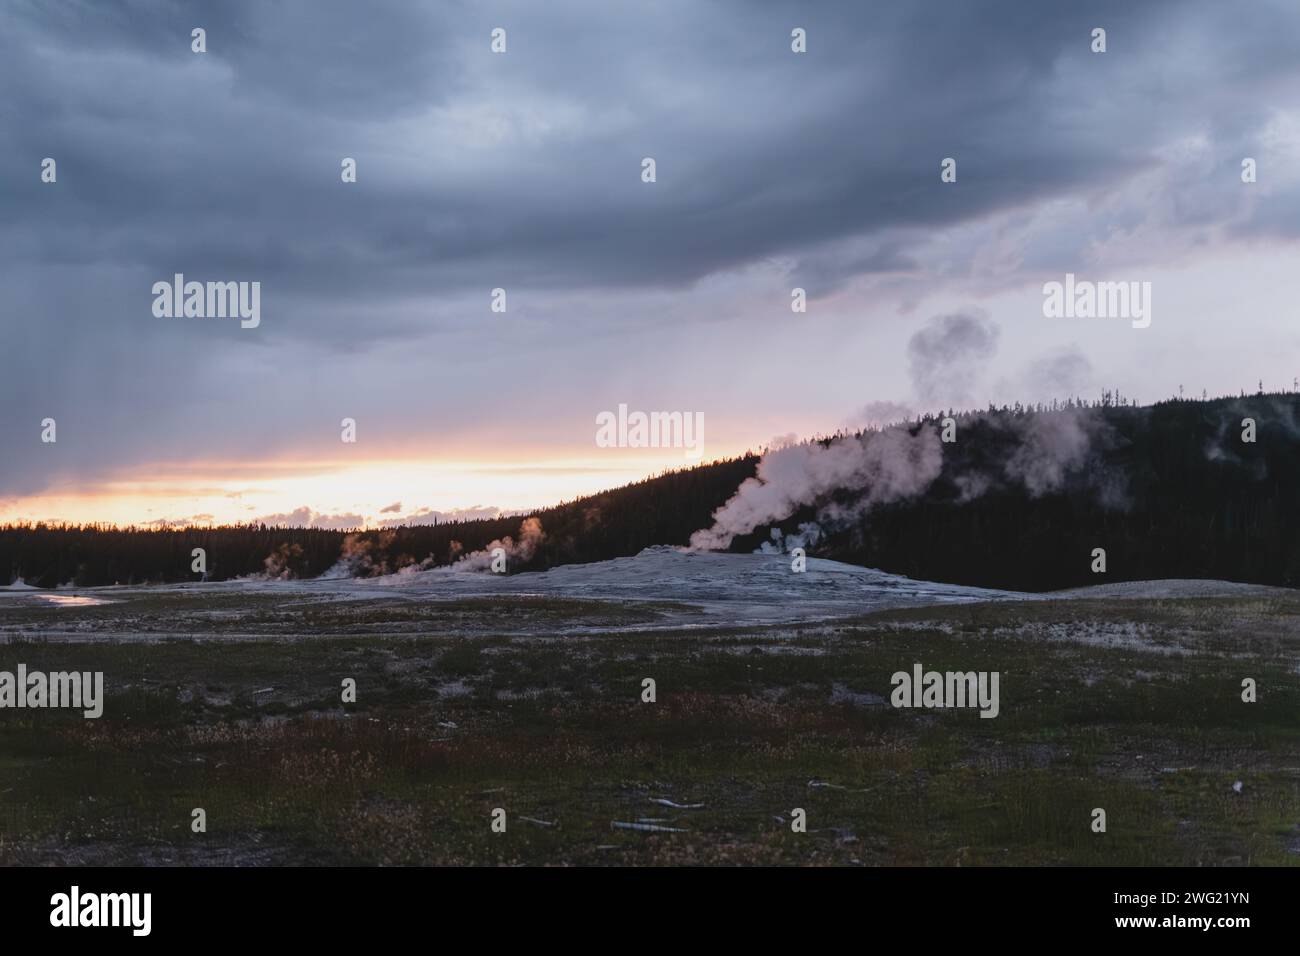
(338, 494)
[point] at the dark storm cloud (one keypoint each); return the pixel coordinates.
(229, 161)
(522, 171)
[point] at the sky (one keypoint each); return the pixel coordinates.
(523, 170)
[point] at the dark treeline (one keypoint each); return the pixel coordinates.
(1169, 490)
(613, 523)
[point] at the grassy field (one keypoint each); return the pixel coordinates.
(1131, 706)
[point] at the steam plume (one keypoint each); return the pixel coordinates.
(530, 536)
(886, 466)
(849, 476)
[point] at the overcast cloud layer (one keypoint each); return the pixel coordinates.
(522, 171)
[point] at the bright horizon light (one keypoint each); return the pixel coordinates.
(328, 494)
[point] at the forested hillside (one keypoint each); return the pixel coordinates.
(617, 522)
(1170, 490)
